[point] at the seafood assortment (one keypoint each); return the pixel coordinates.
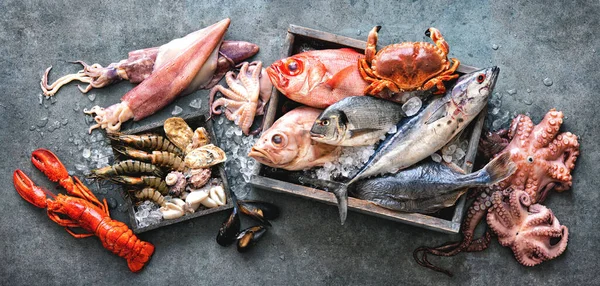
(81, 209)
(544, 160)
(246, 97)
(230, 230)
(402, 104)
(174, 172)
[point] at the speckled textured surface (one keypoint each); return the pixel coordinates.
(307, 245)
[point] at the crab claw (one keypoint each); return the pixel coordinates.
(51, 166)
(35, 195)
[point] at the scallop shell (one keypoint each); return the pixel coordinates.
(199, 139)
(178, 132)
(204, 157)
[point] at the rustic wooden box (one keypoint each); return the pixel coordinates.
(448, 220)
(194, 121)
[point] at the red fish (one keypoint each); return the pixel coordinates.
(319, 78)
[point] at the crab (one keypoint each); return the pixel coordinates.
(407, 66)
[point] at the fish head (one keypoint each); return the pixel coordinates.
(276, 148)
(471, 92)
(297, 75)
(329, 127)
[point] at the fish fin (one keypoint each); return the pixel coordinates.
(358, 132)
(340, 190)
(337, 79)
(440, 112)
(500, 168)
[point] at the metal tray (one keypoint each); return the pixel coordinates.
(218, 171)
(447, 220)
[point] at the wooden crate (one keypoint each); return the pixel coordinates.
(218, 171)
(447, 220)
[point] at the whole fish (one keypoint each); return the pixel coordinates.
(428, 131)
(356, 121)
(318, 78)
(287, 144)
(429, 186)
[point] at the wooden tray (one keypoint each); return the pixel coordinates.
(218, 171)
(447, 220)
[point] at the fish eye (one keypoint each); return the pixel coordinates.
(325, 122)
(293, 67)
(480, 78)
(276, 139)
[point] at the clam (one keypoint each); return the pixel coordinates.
(230, 228)
(248, 237)
(171, 211)
(199, 139)
(204, 157)
(195, 198)
(260, 211)
(178, 132)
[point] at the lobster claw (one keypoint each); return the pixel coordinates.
(28, 190)
(52, 167)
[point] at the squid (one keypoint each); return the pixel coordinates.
(180, 67)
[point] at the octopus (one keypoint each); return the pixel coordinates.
(544, 159)
(246, 96)
(530, 230)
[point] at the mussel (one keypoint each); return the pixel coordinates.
(260, 211)
(248, 237)
(230, 228)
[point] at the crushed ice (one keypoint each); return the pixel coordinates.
(147, 213)
(351, 159)
(412, 106)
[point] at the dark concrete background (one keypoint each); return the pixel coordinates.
(554, 39)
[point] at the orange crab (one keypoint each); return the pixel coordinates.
(407, 66)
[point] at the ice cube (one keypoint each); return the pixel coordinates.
(447, 158)
(459, 154)
(412, 106)
(392, 130)
(238, 132)
(176, 110)
(92, 96)
(86, 153)
(436, 157)
(196, 103)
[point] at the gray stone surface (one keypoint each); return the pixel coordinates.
(556, 40)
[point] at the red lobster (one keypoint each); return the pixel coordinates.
(81, 209)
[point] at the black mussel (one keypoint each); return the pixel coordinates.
(248, 237)
(260, 211)
(229, 230)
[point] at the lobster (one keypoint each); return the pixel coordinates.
(81, 209)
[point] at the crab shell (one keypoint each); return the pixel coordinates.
(204, 157)
(418, 61)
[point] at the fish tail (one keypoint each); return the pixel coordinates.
(499, 168)
(340, 190)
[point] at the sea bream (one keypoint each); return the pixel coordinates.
(431, 129)
(356, 121)
(429, 186)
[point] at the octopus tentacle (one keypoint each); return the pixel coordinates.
(109, 118)
(547, 129)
